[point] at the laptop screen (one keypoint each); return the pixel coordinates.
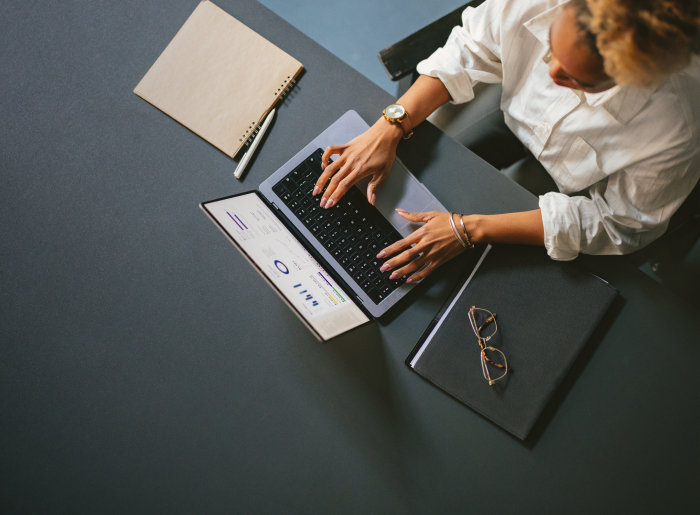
(277, 253)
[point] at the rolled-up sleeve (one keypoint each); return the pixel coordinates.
(623, 214)
(472, 53)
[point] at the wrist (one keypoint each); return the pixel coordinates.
(475, 225)
(392, 132)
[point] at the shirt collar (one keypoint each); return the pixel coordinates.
(623, 103)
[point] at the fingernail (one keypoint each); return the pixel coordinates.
(384, 268)
(323, 167)
(401, 211)
(323, 201)
(394, 275)
(316, 190)
(329, 204)
(372, 199)
(381, 254)
(409, 280)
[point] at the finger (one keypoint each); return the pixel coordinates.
(340, 184)
(330, 150)
(400, 245)
(327, 174)
(377, 179)
(417, 217)
(425, 272)
(403, 257)
(409, 268)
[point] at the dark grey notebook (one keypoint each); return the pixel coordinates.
(545, 310)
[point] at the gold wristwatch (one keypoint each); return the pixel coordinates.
(396, 113)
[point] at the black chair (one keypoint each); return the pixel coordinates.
(400, 61)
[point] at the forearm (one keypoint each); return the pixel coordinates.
(424, 97)
(523, 228)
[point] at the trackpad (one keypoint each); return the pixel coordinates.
(399, 190)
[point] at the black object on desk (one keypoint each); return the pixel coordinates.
(548, 311)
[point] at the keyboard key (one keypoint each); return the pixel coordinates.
(377, 281)
(353, 239)
(344, 261)
(290, 184)
(372, 275)
(279, 189)
(359, 277)
(336, 253)
(366, 285)
(308, 221)
(298, 194)
(397, 282)
(375, 295)
(386, 290)
(294, 205)
(305, 202)
(315, 229)
(286, 197)
(296, 173)
(362, 265)
(351, 268)
(327, 243)
(327, 225)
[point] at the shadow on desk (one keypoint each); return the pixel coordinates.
(363, 402)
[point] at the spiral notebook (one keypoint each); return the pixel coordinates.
(219, 78)
(546, 312)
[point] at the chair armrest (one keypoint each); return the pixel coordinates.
(401, 59)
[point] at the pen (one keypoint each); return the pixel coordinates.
(249, 153)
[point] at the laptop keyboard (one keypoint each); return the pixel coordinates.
(353, 231)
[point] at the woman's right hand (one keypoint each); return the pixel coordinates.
(371, 153)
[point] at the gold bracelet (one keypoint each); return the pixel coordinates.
(466, 234)
(454, 228)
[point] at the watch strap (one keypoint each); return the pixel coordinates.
(406, 126)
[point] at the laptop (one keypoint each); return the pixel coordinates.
(322, 262)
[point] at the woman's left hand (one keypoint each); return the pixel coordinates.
(434, 243)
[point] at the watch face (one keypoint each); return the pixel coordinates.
(395, 111)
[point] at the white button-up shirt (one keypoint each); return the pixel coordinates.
(636, 150)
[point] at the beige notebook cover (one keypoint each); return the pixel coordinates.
(218, 78)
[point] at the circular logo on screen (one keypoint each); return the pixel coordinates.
(281, 267)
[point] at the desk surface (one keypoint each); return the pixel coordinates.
(145, 368)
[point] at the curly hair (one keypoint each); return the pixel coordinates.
(641, 42)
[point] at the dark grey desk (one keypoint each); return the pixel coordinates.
(145, 368)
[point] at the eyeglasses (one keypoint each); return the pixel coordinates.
(484, 325)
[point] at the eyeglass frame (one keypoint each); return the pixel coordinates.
(482, 345)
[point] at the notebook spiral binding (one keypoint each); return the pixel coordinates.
(285, 87)
(254, 127)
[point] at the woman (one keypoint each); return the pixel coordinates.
(604, 94)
